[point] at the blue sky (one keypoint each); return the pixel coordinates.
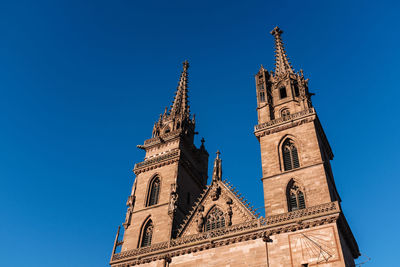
(82, 82)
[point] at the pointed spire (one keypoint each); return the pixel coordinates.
(217, 172)
(181, 103)
(282, 64)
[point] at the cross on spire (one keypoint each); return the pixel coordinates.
(282, 64)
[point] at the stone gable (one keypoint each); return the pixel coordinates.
(218, 194)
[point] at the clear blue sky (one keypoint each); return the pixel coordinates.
(82, 83)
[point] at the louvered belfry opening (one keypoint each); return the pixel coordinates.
(295, 196)
(290, 155)
(154, 192)
(215, 219)
(147, 234)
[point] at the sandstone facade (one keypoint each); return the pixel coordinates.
(175, 219)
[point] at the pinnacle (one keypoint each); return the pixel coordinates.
(282, 64)
(181, 103)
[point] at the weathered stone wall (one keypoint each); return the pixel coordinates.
(311, 174)
(244, 254)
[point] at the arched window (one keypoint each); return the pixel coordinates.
(295, 197)
(215, 219)
(290, 156)
(285, 113)
(282, 92)
(147, 234)
(262, 97)
(154, 191)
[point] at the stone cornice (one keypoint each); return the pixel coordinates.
(284, 123)
(161, 139)
(286, 222)
(156, 162)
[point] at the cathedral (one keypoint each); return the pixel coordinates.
(175, 218)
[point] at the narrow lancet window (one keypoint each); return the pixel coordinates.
(215, 219)
(290, 155)
(147, 234)
(262, 97)
(282, 92)
(295, 197)
(154, 192)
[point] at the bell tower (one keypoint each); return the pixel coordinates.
(295, 156)
(169, 179)
(295, 152)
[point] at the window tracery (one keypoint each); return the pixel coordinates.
(154, 192)
(285, 113)
(215, 219)
(290, 155)
(147, 234)
(295, 197)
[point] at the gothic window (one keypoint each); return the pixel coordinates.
(290, 155)
(215, 219)
(285, 113)
(154, 192)
(167, 130)
(262, 97)
(147, 234)
(178, 125)
(282, 92)
(295, 197)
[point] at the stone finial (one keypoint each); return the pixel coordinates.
(217, 171)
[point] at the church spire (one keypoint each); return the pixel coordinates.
(282, 64)
(180, 105)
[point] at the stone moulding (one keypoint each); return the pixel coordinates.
(159, 139)
(156, 162)
(258, 228)
(282, 120)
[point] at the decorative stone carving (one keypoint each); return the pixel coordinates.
(229, 212)
(217, 171)
(201, 219)
(215, 193)
(173, 200)
(130, 203)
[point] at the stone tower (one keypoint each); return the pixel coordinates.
(172, 175)
(295, 153)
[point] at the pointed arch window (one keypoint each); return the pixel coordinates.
(215, 219)
(262, 97)
(295, 197)
(290, 155)
(147, 234)
(282, 92)
(154, 191)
